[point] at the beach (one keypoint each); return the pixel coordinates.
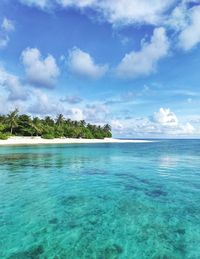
(39, 140)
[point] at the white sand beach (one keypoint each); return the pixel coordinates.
(39, 140)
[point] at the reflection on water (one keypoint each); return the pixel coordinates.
(100, 201)
(168, 161)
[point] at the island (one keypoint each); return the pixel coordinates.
(22, 129)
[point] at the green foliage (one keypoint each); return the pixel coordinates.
(48, 136)
(11, 120)
(58, 132)
(2, 127)
(49, 128)
(4, 136)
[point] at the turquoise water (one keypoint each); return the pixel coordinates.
(101, 201)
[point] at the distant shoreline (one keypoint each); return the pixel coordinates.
(38, 140)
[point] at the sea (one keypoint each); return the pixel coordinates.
(101, 201)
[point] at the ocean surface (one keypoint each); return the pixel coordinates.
(101, 201)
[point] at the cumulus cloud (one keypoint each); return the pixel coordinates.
(156, 12)
(166, 117)
(125, 12)
(120, 12)
(12, 84)
(39, 71)
(117, 125)
(186, 22)
(42, 104)
(6, 27)
(182, 16)
(163, 123)
(75, 114)
(190, 35)
(96, 112)
(82, 64)
(144, 62)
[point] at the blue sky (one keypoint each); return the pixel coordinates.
(131, 63)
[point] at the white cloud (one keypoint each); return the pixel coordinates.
(42, 104)
(178, 18)
(96, 112)
(123, 12)
(187, 128)
(4, 39)
(7, 25)
(12, 84)
(166, 117)
(82, 64)
(184, 19)
(186, 22)
(120, 12)
(134, 11)
(195, 119)
(39, 71)
(75, 114)
(190, 35)
(117, 125)
(164, 123)
(144, 61)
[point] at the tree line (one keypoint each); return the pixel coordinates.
(14, 124)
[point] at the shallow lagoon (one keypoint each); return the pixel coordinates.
(135, 200)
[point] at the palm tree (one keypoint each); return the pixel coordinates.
(83, 123)
(75, 123)
(49, 121)
(35, 124)
(12, 119)
(24, 125)
(107, 127)
(68, 122)
(60, 120)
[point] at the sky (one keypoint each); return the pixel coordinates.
(134, 64)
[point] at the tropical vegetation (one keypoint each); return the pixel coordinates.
(15, 124)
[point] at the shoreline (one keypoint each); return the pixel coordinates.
(12, 141)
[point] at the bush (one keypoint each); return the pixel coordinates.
(59, 132)
(87, 134)
(2, 127)
(69, 132)
(108, 135)
(4, 136)
(48, 136)
(98, 135)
